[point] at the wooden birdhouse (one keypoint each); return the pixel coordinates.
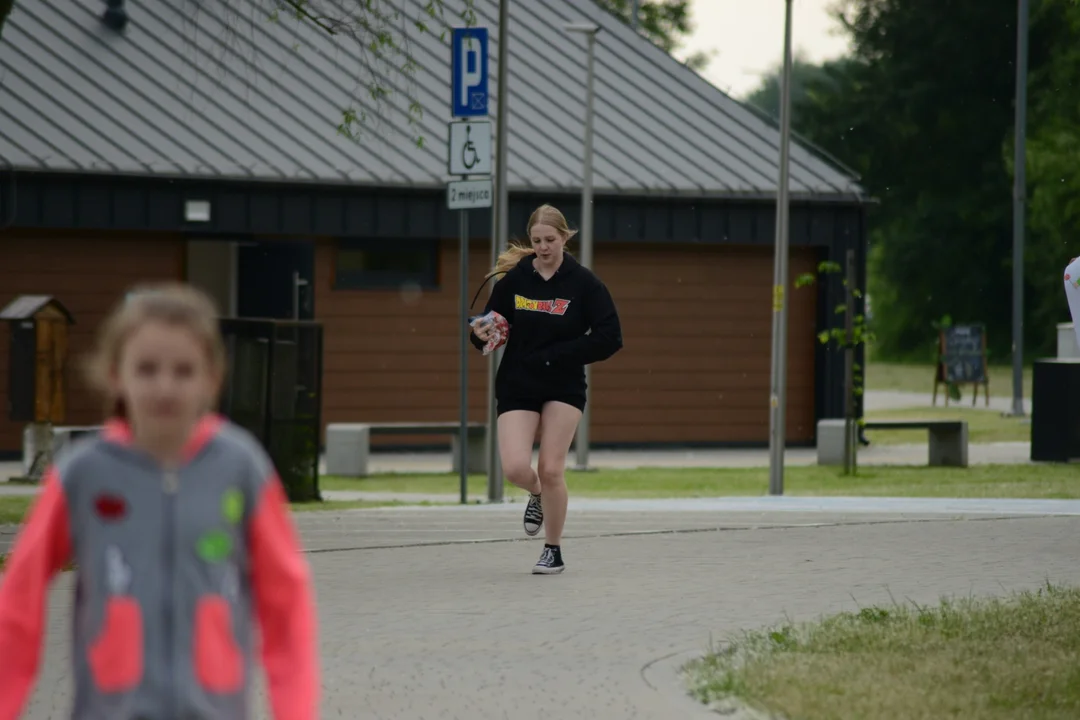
(37, 370)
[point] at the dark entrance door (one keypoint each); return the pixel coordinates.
(276, 280)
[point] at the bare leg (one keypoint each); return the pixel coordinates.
(558, 423)
(517, 432)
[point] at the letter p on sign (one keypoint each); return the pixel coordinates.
(469, 72)
(470, 69)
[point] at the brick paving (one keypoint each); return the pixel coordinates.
(458, 628)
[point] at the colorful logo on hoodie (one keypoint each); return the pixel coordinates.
(551, 307)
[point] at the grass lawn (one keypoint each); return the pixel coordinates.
(920, 378)
(983, 425)
(979, 481)
(993, 659)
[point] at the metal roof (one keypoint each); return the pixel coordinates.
(216, 90)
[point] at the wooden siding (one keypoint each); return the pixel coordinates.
(695, 367)
(88, 272)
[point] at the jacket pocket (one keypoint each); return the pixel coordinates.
(219, 664)
(116, 656)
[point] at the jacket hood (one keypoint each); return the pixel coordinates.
(569, 265)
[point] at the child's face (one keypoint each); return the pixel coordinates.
(166, 379)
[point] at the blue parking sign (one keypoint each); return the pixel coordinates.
(469, 72)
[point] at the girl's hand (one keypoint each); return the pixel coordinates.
(483, 329)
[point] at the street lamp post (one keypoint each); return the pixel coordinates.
(500, 231)
(1019, 194)
(581, 441)
(778, 390)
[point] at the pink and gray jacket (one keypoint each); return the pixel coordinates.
(174, 571)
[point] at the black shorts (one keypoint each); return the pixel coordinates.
(507, 404)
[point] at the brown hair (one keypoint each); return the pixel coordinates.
(173, 304)
(543, 215)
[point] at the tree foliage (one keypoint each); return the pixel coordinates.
(380, 31)
(665, 22)
(766, 97)
(923, 110)
(1053, 161)
(5, 11)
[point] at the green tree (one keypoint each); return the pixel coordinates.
(5, 11)
(766, 96)
(921, 110)
(380, 30)
(665, 22)
(1053, 162)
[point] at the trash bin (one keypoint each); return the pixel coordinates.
(1055, 397)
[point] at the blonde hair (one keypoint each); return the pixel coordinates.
(543, 215)
(173, 304)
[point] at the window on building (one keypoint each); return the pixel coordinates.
(367, 264)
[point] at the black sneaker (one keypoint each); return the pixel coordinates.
(534, 515)
(550, 562)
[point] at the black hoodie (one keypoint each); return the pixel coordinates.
(550, 343)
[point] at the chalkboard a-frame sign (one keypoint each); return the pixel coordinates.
(962, 360)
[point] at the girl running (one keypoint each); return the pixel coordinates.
(561, 318)
(181, 537)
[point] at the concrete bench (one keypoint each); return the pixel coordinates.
(62, 435)
(948, 439)
(348, 445)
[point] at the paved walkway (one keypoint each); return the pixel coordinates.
(877, 400)
(431, 613)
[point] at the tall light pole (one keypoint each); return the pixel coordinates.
(1019, 193)
(581, 441)
(778, 385)
(500, 230)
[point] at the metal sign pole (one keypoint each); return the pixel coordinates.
(463, 430)
(469, 150)
(778, 391)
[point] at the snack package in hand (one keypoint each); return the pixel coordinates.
(500, 331)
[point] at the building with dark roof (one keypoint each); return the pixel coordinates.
(201, 142)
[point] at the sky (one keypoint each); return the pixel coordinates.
(748, 38)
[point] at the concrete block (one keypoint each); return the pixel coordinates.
(476, 449)
(348, 449)
(830, 441)
(949, 446)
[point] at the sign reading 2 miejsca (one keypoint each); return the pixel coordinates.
(468, 194)
(470, 148)
(469, 72)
